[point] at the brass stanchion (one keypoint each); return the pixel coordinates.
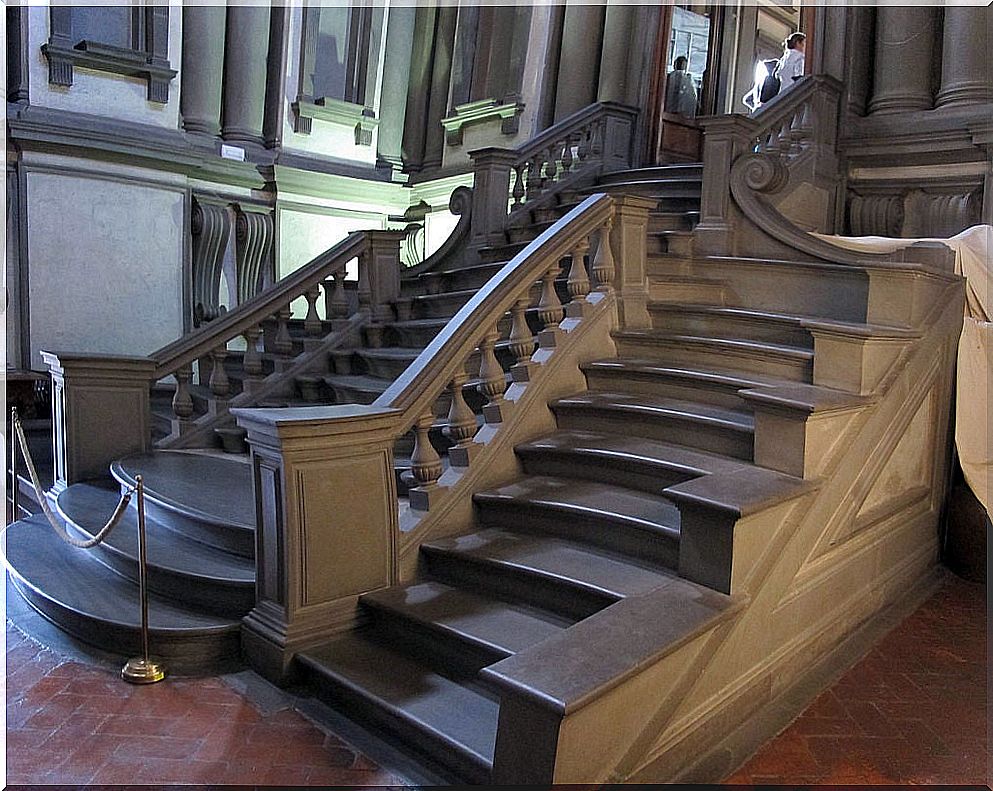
(12, 440)
(142, 670)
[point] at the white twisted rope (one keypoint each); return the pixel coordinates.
(53, 520)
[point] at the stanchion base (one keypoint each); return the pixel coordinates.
(143, 671)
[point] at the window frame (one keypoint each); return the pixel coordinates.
(147, 57)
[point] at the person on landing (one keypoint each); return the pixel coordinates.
(791, 64)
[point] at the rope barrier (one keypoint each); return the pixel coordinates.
(42, 498)
(138, 670)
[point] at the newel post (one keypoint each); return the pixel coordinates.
(629, 245)
(100, 412)
(379, 272)
(726, 137)
(490, 194)
(326, 516)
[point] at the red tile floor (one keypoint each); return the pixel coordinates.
(913, 710)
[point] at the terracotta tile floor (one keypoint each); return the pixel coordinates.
(913, 710)
(75, 723)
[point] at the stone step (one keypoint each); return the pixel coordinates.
(642, 526)
(631, 461)
(178, 569)
(83, 597)
(689, 170)
(571, 579)
(207, 498)
(446, 280)
(687, 289)
(693, 424)
(774, 360)
(458, 626)
(447, 719)
(686, 382)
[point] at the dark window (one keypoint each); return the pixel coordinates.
(104, 25)
(336, 53)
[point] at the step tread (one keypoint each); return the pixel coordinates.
(784, 317)
(455, 713)
(79, 582)
(391, 352)
(619, 448)
(372, 384)
(553, 558)
(212, 488)
(88, 506)
(622, 365)
(486, 622)
(643, 403)
(740, 344)
(589, 498)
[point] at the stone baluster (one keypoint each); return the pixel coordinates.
(550, 310)
(252, 361)
(603, 267)
(518, 189)
(583, 150)
(552, 163)
(182, 402)
(534, 178)
(220, 385)
(312, 322)
(461, 424)
(283, 343)
(578, 283)
(425, 465)
(567, 159)
(337, 303)
(521, 341)
(492, 383)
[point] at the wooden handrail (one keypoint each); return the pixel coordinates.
(419, 385)
(191, 347)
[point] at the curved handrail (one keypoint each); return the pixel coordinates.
(251, 313)
(459, 204)
(784, 134)
(417, 388)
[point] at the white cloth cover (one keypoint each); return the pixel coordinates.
(972, 408)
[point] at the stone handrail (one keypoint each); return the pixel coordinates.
(772, 181)
(118, 388)
(511, 183)
(331, 526)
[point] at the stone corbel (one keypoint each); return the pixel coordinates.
(253, 248)
(508, 113)
(210, 226)
(335, 111)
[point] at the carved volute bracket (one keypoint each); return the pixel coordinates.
(253, 248)
(210, 225)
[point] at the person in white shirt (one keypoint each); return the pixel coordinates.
(680, 92)
(791, 64)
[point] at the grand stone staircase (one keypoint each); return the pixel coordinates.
(699, 482)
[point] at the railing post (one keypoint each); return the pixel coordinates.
(318, 544)
(490, 194)
(381, 265)
(100, 412)
(726, 138)
(628, 243)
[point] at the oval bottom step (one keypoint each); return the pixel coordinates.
(89, 601)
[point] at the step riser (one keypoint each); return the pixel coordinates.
(694, 172)
(368, 710)
(218, 536)
(516, 585)
(182, 653)
(716, 439)
(726, 327)
(700, 293)
(675, 352)
(591, 468)
(348, 395)
(621, 538)
(440, 650)
(453, 281)
(830, 293)
(667, 387)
